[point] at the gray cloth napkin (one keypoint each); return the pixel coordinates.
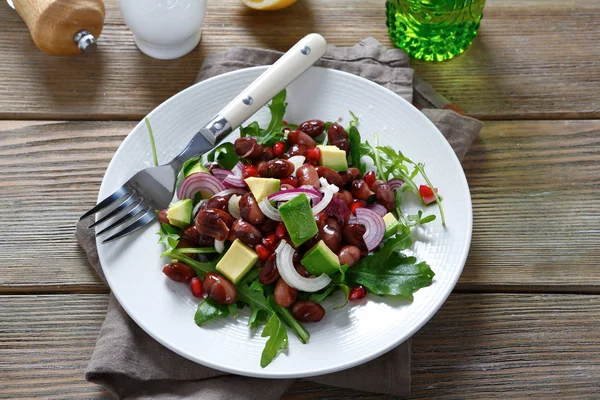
(131, 365)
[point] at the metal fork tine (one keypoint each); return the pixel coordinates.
(118, 194)
(144, 220)
(114, 212)
(135, 211)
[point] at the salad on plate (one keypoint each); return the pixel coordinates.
(289, 215)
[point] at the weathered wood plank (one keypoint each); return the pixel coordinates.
(534, 186)
(477, 346)
(533, 59)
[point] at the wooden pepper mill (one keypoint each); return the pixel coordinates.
(63, 27)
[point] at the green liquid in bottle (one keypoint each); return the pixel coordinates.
(433, 30)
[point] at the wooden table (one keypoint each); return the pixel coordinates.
(524, 319)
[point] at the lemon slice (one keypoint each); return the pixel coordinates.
(268, 4)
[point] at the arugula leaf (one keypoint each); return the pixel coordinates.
(418, 219)
(251, 130)
(274, 131)
(289, 319)
(188, 250)
(152, 143)
(168, 236)
(257, 315)
(201, 268)
(209, 310)
(346, 290)
(354, 120)
(233, 310)
(278, 340)
(253, 297)
(320, 297)
(354, 138)
(224, 155)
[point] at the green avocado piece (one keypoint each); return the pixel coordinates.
(320, 259)
(333, 157)
(298, 219)
(193, 168)
(237, 261)
(391, 225)
(180, 213)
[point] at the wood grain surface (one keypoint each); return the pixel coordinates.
(534, 188)
(533, 59)
(477, 346)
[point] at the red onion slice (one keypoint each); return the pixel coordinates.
(338, 209)
(328, 192)
(227, 192)
(378, 208)
(237, 170)
(374, 224)
(201, 182)
(234, 182)
(285, 195)
(220, 173)
(395, 183)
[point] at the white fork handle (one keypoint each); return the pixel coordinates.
(285, 70)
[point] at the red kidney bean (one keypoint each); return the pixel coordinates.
(331, 234)
(298, 137)
(247, 147)
(219, 288)
(249, 209)
(330, 176)
(284, 294)
(361, 190)
(338, 137)
(312, 127)
(276, 169)
(179, 272)
(268, 272)
(308, 311)
(297, 257)
(295, 150)
(268, 226)
(247, 233)
(301, 270)
(385, 196)
(220, 202)
(345, 196)
(307, 175)
(214, 222)
(193, 236)
(267, 154)
(349, 255)
(162, 217)
(351, 175)
(353, 235)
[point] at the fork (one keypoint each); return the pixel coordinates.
(152, 189)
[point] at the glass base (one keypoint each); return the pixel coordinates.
(168, 52)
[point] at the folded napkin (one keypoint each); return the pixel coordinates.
(131, 365)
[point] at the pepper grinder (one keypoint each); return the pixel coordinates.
(62, 27)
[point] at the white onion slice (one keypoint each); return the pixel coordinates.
(196, 208)
(234, 206)
(285, 266)
(328, 191)
(219, 246)
(298, 161)
(269, 211)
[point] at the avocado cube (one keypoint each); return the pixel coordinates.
(320, 259)
(179, 214)
(193, 168)
(237, 261)
(298, 219)
(391, 225)
(333, 157)
(262, 187)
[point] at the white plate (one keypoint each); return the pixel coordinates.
(344, 338)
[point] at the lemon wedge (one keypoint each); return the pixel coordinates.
(268, 4)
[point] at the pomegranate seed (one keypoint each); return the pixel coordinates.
(263, 252)
(357, 204)
(249, 170)
(278, 148)
(270, 241)
(281, 232)
(283, 121)
(370, 178)
(196, 287)
(289, 181)
(357, 293)
(312, 154)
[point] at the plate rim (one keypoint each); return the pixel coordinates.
(272, 374)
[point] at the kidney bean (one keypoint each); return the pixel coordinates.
(308, 311)
(267, 154)
(385, 196)
(330, 176)
(361, 190)
(353, 235)
(219, 288)
(267, 226)
(214, 222)
(301, 270)
(247, 233)
(284, 294)
(349, 255)
(296, 150)
(193, 236)
(179, 272)
(162, 217)
(247, 147)
(220, 202)
(338, 137)
(268, 272)
(312, 127)
(297, 257)
(276, 169)
(351, 175)
(299, 137)
(307, 175)
(249, 209)
(331, 234)
(345, 196)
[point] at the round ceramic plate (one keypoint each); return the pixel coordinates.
(344, 338)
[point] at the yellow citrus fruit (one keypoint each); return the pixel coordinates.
(268, 4)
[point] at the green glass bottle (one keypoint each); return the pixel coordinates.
(433, 30)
